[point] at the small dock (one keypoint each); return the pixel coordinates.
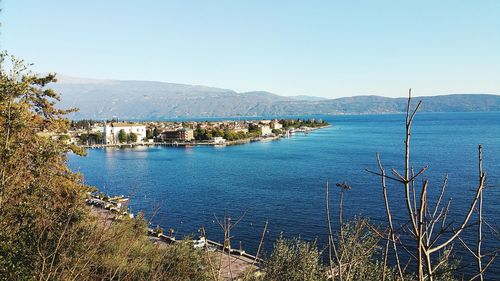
(209, 244)
(234, 261)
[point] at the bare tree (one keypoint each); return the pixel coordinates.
(332, 249)
(425, 221)
(226, 227)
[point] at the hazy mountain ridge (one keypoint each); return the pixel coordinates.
(307, 98)
(100, 99)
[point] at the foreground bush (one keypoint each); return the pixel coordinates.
(294, 259)
(128, 254)
(358, 252)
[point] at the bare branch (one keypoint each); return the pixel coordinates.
(386, 176)
(389, 218)
(419, 172)
(466, 219)
(258, 249)
(401, 178)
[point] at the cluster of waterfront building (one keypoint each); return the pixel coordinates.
(108, 133)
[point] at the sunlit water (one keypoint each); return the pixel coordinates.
(284, 181)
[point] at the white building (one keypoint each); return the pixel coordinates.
(276, 125)
(266, 130)
(218, 140)
(96, 128)
(112, 130)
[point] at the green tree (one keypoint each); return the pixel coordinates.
(84, 138)
(231, 135)
(294, 260)
(149, 133)
(64, 138)
(122, 136)
(99, 137)
(44, 197)
(218, 133)
(133, 137)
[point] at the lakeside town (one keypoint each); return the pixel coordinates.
(92, 133)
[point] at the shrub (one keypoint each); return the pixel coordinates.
(294, 259)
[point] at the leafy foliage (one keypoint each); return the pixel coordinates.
(296, 123)
(133, 137)
(91, 138)
(276, 131)
(40, 198)
(149, 133)
(122, 136)
(359, 249)
(294, 259)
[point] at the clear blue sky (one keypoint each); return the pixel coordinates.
(322, 48)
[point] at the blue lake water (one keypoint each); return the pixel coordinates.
(284, 181)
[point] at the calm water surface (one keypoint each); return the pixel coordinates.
(284, 181)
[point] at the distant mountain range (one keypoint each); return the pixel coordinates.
(106, 99)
